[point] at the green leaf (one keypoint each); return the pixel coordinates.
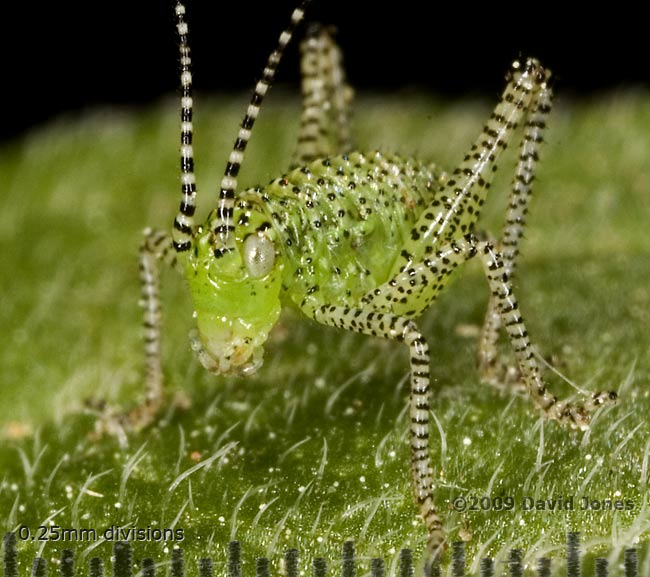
(313, 450)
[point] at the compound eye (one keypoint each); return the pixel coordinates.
(259, 255)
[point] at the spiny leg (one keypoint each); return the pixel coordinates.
(391, 326)
(535, 127)
(575, 415)
(324, 123)
(423, 281)
(156, 248)
(410, 292)
(456, 206)
(342, 96)
(454, 209)
(491, 369)
(160, 247)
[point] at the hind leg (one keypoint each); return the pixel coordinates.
(324, 123)
(492, 368)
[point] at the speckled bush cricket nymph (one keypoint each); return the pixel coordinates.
(360, 241)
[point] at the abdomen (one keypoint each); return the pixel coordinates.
(342, 222)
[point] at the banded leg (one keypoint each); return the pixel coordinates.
(324, 124)
(491, 369)
(575, 415)
(157, 247)
(426, 279)
(397, 328)
(456, 206)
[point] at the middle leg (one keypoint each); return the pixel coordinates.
(394, 327)
(412, 290)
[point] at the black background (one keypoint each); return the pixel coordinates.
(60, 57)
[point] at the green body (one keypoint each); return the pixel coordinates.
(339, 228)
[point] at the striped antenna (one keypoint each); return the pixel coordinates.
(221, 222)
(184, 221)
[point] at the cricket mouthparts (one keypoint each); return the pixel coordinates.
(228, 357)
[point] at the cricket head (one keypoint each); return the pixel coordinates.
(231, 266)
(236, 301)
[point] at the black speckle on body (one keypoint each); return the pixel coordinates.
(352, 214)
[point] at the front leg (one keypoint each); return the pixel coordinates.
(398, 328)
(157, 247)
